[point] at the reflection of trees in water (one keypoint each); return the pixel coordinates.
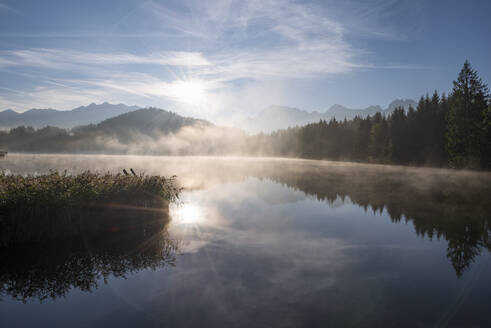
(51, 268)
(440, 204)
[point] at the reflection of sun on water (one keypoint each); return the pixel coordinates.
(187, 214)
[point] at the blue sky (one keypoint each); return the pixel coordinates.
(222, 60)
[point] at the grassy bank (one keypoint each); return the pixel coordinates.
(41, 207)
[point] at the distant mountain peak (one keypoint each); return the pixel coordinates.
(90, 114)
(336, 106)
(275, 108)
(405, 103)
(281, 117)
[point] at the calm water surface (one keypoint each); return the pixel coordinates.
(267, 243)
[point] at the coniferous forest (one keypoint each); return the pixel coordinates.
(442, 130)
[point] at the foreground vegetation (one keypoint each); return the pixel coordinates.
(60, 204)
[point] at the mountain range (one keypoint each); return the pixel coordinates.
(281, 117)
(157, 131)
(109, 115)
(138, 131)
(38, 118)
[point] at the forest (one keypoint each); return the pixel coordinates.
(441, 131)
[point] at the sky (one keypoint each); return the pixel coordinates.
(224, 60)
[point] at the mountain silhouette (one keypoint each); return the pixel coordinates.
(125, 129)
(147, 121)
(39, 118)
(281, 117)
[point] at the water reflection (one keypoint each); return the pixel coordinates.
(50, 268)
(275, 256)
(187, 214)
(455, 208)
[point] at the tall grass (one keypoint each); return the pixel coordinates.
(61, 204)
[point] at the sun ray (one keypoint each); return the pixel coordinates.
(192, 92)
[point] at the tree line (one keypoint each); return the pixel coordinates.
(441, 131)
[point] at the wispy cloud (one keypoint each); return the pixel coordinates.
(56, 58)
(52, 97)
(254, 39)
(9, 9)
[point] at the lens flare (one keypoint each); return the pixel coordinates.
(187, 214)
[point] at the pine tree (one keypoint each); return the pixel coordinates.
(486, 150)
(413, 135)
(465, 122)
(441, 128)
(398, 122)
(379, 139)
(362, 139)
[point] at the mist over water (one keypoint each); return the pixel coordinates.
(274, 242)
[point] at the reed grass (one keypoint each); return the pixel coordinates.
(58, 203)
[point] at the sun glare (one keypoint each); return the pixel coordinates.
(188, 214)
(191, 92)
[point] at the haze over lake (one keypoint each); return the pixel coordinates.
(268, 242)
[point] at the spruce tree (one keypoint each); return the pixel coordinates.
(465, 121)
(441, 130)
(398, 123)
(486, 150)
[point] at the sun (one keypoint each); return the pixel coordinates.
(192, 92)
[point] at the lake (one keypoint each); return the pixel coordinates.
(257, 242)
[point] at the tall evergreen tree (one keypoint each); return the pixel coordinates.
(486, 153)
(413, 134)
(379, 139)
(362, 139)
(466, 139)
(398, 122)
(441, 128)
